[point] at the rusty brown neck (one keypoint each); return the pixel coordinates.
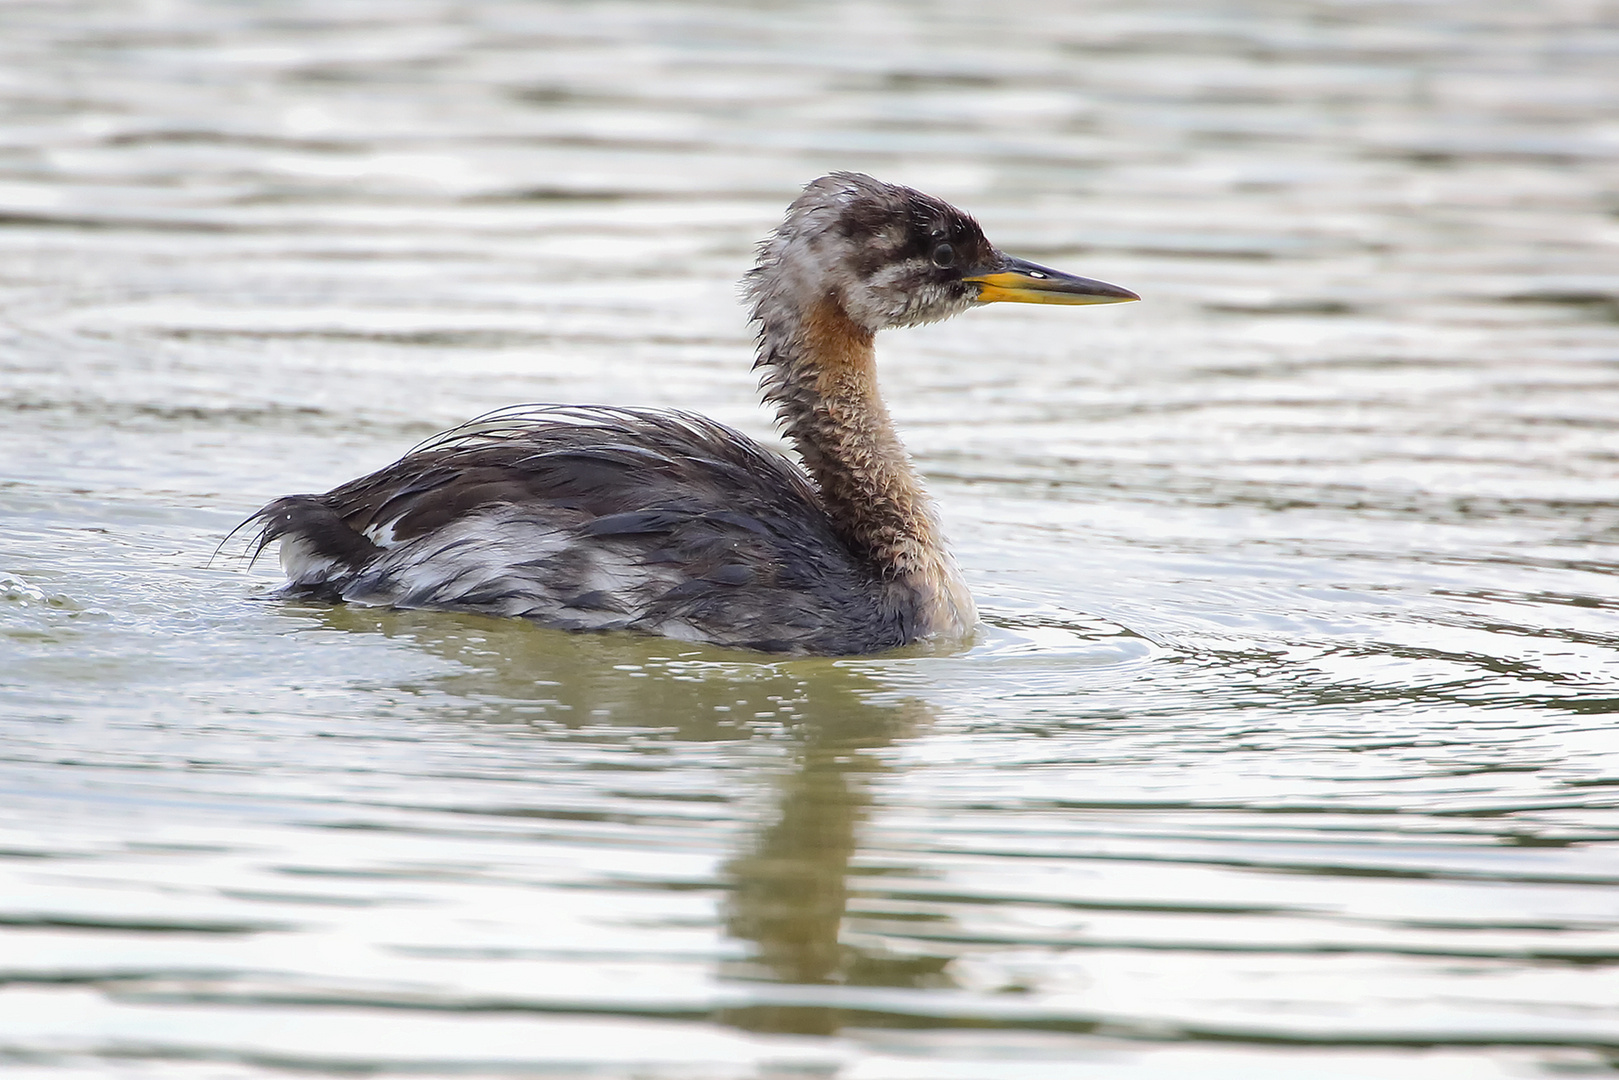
(821, 374)
(823, 381)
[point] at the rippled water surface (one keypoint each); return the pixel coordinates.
(1287, 747)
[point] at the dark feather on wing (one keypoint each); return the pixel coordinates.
(598, 518)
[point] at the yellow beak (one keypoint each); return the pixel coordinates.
(1021, 282)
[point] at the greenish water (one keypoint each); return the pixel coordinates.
(1287, 747)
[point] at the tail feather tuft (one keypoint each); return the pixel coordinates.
(319, 550)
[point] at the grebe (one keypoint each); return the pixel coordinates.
(596, 518)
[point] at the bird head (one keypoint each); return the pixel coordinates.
(891, 256)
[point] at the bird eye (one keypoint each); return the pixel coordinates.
(944, 256)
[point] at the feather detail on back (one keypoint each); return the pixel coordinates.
(596, 518)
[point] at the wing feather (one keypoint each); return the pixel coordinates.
(594, 518)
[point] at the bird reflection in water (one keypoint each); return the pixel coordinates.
(787, 888)
(791, 889)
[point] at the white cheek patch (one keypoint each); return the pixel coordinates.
(904, 295)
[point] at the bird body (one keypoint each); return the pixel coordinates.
(667, 523)
(594, 518)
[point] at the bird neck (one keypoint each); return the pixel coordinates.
(821, 374)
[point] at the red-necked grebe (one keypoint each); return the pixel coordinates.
(594, 518)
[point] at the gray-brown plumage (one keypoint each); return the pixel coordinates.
(595, 518)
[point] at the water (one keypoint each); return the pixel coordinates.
(1287, 747)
